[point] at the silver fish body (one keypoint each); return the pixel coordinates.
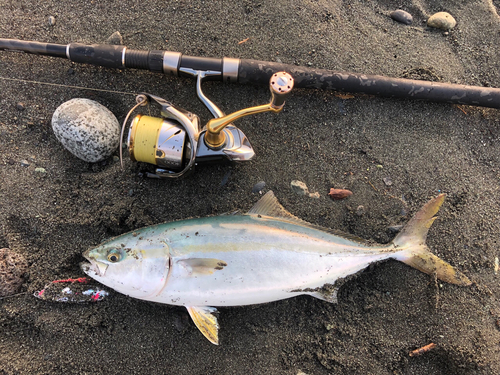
(265, 255)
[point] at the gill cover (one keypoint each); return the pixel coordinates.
(129, 265)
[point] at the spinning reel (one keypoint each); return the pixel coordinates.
(176, 142)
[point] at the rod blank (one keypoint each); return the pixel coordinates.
(259, 72)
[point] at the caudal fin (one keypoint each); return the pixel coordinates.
(415, 252)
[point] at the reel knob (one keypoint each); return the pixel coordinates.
(281, 84)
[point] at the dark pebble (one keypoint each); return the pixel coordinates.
(258, 187)
(342, 109)
(20, 106)
(402, 16)
(71, 71)
(396, 228)
(225, 179)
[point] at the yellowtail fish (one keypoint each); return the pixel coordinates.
(262, 256)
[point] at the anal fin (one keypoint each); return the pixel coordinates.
(326, 295)
(206, 321)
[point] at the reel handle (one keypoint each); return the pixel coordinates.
(280, 84)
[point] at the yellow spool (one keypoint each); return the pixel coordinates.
(143, 140)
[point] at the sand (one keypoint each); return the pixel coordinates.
(320, 139)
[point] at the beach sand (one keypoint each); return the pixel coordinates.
(320, 138)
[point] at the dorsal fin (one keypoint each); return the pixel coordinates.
(268, 205)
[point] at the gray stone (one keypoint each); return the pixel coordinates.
(387, 181)
(258, 187)
(87, 129)
(115, 38)
(442, 20)
(52, 20)
(402, 16)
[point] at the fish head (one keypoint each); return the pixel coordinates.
(139, 273)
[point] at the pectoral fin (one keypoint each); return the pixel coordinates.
(206, 321)
(202, 266)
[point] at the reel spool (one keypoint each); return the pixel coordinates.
(157, 141)
(175, 142)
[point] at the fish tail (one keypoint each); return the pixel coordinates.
(415, 253)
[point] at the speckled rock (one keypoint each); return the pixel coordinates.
(87, 129)
(12, 268)
(402, 16)
(442, 20)
(299, 187)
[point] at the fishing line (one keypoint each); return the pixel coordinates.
(67, 86)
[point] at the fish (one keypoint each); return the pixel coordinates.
(265, 255)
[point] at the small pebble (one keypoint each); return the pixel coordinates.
(360, 211)
(337, 194)
(442, 20)
(71, 71)
(258, 187)
(387, 181)
(402, 16)
(20, 106)
(12, 268)
(299, 187)
(314, 195)
(52, 20)
(131, 192)
(116, 158)
(40, 170)
(87, 129)
(115, 38)
(25, 163)
(396, 228)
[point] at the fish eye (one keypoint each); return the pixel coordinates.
(114, 256)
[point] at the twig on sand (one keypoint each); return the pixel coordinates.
(422, 350)
(13, 295)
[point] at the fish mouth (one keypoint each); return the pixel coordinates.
(93, 267)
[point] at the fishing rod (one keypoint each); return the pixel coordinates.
(247, 71)
(177, 141)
